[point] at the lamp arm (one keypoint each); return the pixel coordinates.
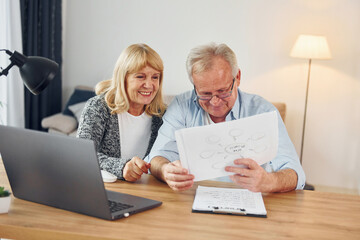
(16, 58)
(6, 70)
(7, 51)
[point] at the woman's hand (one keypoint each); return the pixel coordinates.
(134, 169)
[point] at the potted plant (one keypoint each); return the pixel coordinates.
(5, 200)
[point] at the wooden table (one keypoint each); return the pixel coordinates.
(297, 214)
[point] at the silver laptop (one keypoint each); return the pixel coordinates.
(62, 172)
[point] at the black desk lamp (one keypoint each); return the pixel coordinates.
(36, 72)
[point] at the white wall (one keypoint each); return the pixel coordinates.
(261, 33)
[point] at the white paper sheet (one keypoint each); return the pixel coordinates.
(228, 199)
(206, 150)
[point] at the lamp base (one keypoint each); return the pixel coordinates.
(309, 187)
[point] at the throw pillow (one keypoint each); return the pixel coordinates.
(77, 97)
(60, 122)
(77, 109)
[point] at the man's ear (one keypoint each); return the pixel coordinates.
(238, 77)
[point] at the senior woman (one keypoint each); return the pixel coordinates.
(124, 118)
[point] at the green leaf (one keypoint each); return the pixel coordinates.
(4, 193)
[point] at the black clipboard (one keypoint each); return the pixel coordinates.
(235, 213)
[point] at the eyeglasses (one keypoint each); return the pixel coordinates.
(221, 95)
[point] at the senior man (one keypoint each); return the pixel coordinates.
(216, 98)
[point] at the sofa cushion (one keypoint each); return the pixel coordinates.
(77, 109)
(60, 122)
(79, 95)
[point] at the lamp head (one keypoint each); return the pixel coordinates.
(311, 47)
(36, 72)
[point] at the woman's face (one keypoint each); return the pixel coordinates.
(141, 88)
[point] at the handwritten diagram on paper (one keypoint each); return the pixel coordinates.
(206, 150)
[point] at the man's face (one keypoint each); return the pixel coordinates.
(217, 81)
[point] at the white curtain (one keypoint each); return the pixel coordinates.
(11, 87)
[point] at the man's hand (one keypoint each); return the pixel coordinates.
(251, 175)
(256, 179)
(134, 169)
(176, 176)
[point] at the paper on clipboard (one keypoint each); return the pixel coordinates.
(206, 150)
(229, 201)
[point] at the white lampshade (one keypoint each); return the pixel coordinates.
(311, 47)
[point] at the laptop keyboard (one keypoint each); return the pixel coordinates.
(116, 206)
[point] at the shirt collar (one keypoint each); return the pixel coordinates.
(235, 111)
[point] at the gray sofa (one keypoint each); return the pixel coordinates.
(66, 122)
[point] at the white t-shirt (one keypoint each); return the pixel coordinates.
(135, 134)
(207, 119)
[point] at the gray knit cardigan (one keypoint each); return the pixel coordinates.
(98, 124)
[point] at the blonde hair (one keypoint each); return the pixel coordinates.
(132, 59)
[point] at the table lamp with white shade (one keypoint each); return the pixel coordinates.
(309, 47)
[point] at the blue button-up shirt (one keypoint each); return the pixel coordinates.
(185, 111)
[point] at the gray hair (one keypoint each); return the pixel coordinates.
(200, 58)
